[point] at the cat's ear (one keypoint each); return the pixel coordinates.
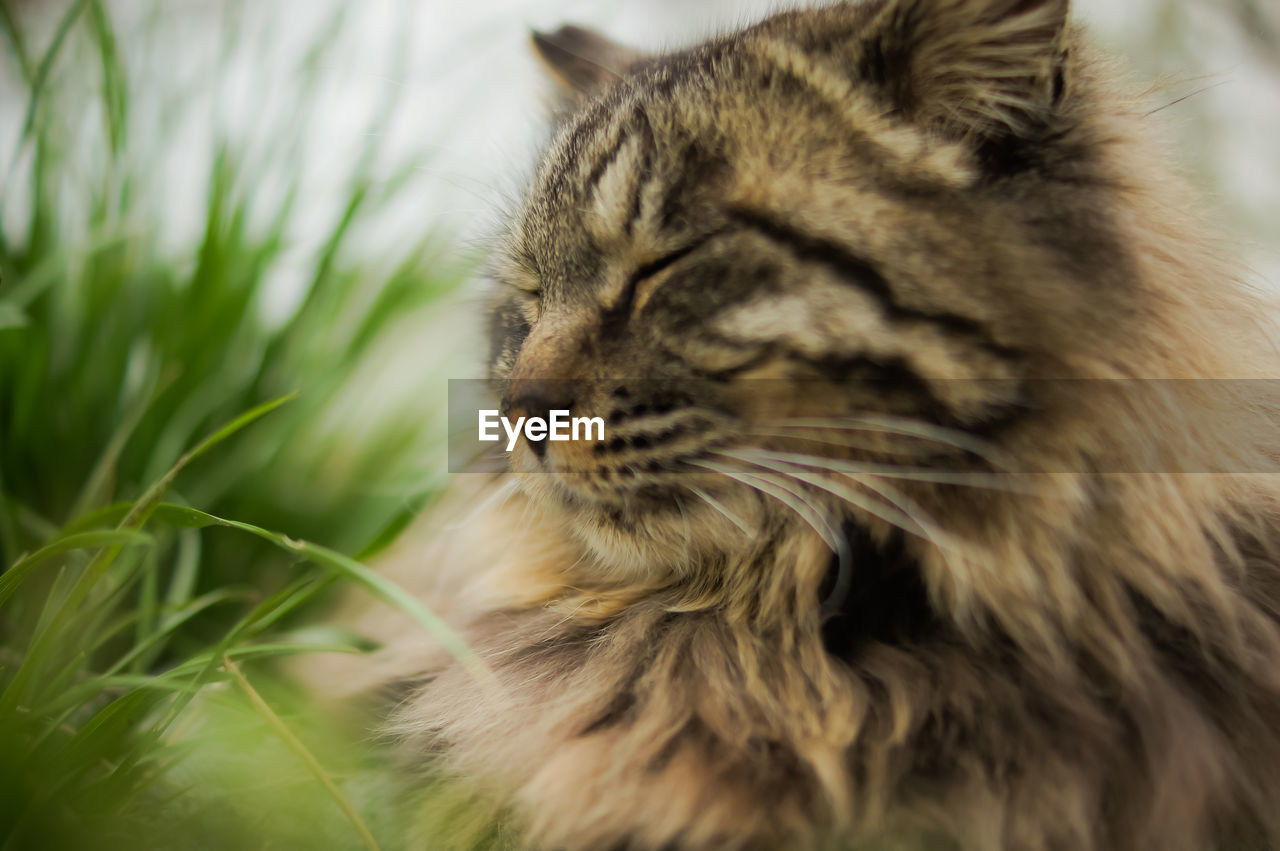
(583, 62)
(975, 68)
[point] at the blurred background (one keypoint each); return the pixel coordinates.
(239, 245)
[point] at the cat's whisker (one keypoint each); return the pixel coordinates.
(844, 439)
(946, 544)
(775, 487)
(913, 520)
(798, 472)
(888, 424)
(986, 481)
(897, 510)
(719, 507)
(921, 431)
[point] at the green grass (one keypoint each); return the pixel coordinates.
(174, 496)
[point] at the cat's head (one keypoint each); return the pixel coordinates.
(840, 243)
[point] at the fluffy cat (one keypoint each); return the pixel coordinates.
(902, 537)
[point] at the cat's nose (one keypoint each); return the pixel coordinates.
(535, 397)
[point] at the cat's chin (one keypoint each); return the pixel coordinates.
(652, 530)
(644, 548)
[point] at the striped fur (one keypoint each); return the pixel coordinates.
(870, 280)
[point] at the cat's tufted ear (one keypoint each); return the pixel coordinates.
(985, 69)
(583, 62)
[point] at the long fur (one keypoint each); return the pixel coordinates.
(1053, 517)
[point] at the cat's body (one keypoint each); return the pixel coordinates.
(911, 253)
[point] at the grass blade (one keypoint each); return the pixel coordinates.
(372, 581)
(295, 744)
(11, 579)
(147, 502)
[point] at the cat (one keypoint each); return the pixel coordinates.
(901, 536)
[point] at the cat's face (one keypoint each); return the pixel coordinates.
(843, 237)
